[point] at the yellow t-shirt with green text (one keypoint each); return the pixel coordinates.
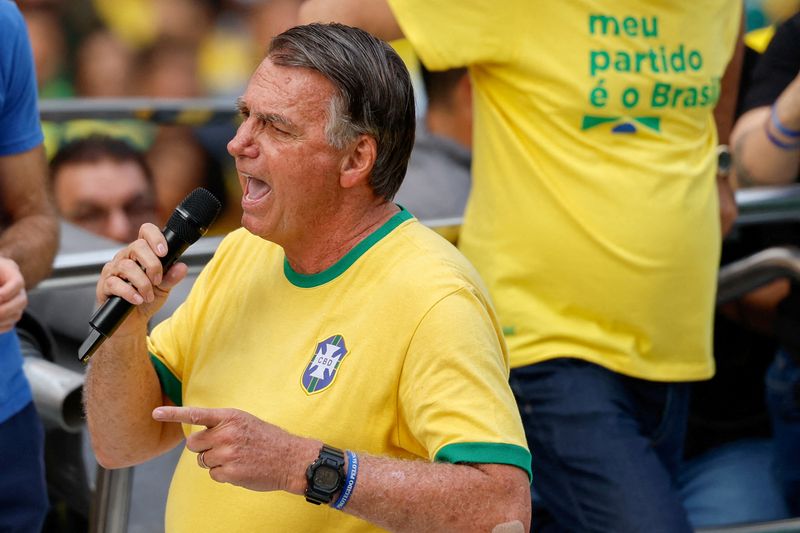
(393, 351)
(593, 217)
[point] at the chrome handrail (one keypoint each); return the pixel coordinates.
(82, 269)
(758, 205)
(187, 111)
(790, 525)
(740, 277)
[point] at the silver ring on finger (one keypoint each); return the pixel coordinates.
(201, 460)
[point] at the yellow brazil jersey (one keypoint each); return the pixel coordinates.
(593, 218)
(394, 350)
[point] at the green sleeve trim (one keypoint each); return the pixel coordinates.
(307, 281)
(487, 452)
(170, 384)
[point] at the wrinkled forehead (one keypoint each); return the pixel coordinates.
(283, 89)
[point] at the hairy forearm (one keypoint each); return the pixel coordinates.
(120, 392)
(416, 496)
(31, 242)
(420, 496)
(29, 233)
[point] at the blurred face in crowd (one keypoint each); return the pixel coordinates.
(104, 67)
(172, 72)
(179, 166)
(107, 197)
(47, 43)
(188, 21)
(288, 172)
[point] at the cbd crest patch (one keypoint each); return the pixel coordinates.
(324, 364)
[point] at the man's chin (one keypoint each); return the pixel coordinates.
(255, 226)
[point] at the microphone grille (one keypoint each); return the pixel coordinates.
(194, 215)
(202, 206)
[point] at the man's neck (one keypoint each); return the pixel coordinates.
(337, 238)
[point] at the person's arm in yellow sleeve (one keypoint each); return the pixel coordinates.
(374, 16)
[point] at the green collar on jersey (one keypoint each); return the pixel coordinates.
(307, 281)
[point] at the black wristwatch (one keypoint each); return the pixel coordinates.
(325, 476)
(724, 160)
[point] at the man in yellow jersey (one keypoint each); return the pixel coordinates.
(337, 365)
(594, 220)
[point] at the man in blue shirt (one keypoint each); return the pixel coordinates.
(28, 240)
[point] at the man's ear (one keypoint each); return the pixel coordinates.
(357, 164)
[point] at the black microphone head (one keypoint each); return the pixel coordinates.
(194, 215)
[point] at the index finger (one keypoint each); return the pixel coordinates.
(196, 416)
(154, 237)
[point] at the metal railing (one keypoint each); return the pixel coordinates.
(777, 526)
(762, 205)
(740, 277)
(759, 205)
(82, 269)
(187, 112)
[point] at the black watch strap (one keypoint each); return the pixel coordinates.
(325, 476)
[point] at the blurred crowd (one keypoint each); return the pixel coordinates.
(175, 49)
(179, 49)
(765, 13)
(166, 50)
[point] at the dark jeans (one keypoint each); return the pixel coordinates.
(23, 490)
(606, 448)
(783, 402)
(733, 483)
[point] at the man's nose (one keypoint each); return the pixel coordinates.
(242, 144)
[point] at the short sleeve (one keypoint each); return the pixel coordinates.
(20, 129)
(454, 395)
(168, 345)
(172, 342)
(447, 34)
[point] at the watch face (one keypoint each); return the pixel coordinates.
(326, 478)
(724, 159)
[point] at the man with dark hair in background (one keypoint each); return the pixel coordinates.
(437, 181)
(103, 185)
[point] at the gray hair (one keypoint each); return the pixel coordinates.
(374, 95)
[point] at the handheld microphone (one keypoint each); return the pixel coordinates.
(188, 223)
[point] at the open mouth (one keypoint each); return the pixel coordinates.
(256, 189)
